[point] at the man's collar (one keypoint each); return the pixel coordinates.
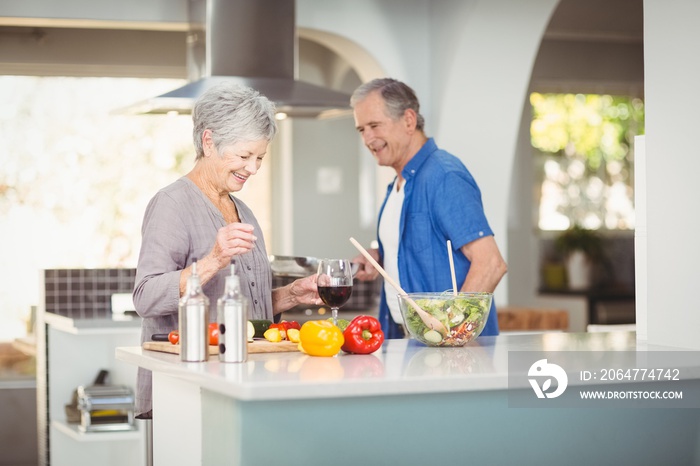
(417, 160)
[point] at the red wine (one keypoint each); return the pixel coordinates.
(335, 296)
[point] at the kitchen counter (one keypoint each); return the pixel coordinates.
(75, 325)
(405, 404)
(402, 366)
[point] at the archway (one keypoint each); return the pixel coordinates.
(592, 47)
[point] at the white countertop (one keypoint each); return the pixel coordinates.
(400, 367)
(76, 325)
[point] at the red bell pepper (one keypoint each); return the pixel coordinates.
(363, 335)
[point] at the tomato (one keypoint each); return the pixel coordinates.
(284, 326)
(293, 324)
(213, 333)
(174, 336)
(280, 327)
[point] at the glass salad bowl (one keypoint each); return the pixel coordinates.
(448, 320)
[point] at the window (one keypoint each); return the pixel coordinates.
(585, 159)
(75, 178)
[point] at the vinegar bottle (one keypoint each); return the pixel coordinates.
(232, 317)
(193, 316)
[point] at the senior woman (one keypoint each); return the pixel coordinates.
(197, 217)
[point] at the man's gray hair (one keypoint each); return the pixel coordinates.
(398, 97)
(233, 113)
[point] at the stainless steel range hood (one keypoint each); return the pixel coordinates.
(252, 42)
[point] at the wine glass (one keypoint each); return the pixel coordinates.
(334, 283)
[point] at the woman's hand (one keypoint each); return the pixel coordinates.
(366, 271)
(305, 290)
(232, 240)
(301, 291)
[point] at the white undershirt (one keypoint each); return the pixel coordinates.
(389, 236)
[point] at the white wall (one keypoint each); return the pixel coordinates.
(393, 31)
(523, 238)
(672, 72)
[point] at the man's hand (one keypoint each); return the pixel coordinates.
(366, 271)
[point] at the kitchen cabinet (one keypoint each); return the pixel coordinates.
(18, 404)
(76, 350)
(604, 305)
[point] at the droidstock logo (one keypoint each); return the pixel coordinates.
(542, 370)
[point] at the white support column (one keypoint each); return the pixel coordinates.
(177, 421)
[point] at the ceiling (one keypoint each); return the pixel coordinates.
(598, 20)
(588, 46)
(592, 46)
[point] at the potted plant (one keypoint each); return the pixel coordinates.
(580, 248)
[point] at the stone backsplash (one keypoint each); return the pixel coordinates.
(86, 293)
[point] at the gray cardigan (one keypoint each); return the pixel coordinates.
(180, 224)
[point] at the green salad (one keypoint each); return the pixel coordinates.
(463, 317)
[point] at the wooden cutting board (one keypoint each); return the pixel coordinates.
(257, 346)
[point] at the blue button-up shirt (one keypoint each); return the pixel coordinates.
(441, 201)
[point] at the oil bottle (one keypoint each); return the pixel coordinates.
(193, 316)
(232, 317)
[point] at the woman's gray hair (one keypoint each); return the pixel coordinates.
(398, 97)
(233, 113)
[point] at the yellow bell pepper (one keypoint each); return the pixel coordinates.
(320, 338)
(273, 335)
(293, 335)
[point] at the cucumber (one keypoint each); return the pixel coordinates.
(250, 331)
(456, 319)
(433, 336)
(260, 325)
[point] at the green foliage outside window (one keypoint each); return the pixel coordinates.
(584, 151)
